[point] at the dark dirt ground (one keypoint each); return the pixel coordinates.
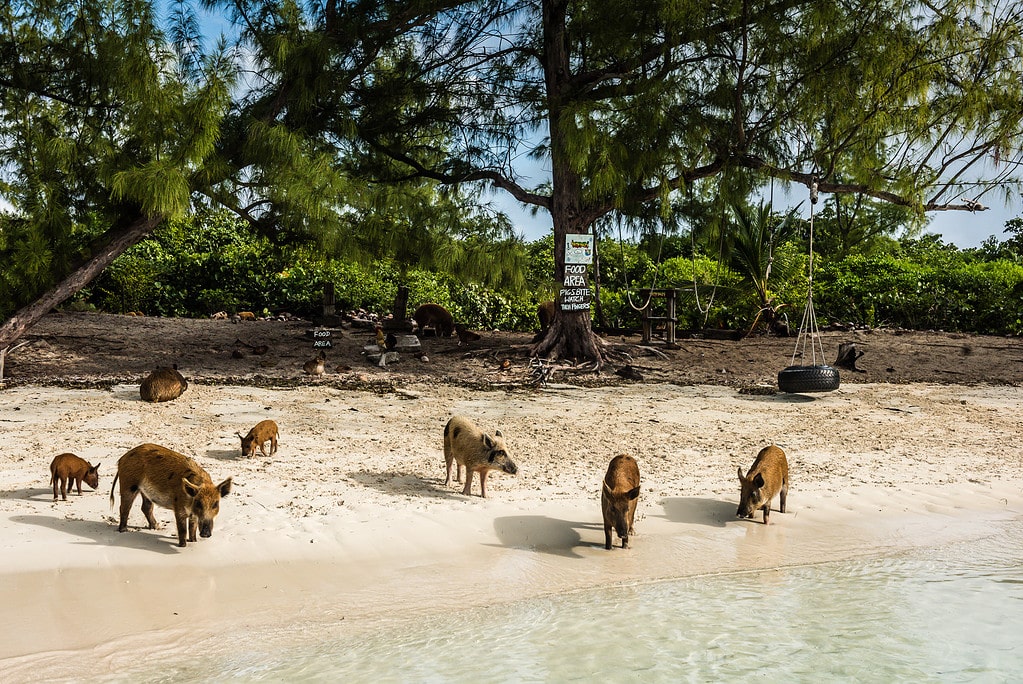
(93, 349)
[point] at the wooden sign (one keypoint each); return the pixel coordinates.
(576, 294)
(321, 339)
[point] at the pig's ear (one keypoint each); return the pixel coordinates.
(487, 441)
(239, 435)
(225, 487)
(497, 433)
(741, 478)
(633, 493)
(758, 481)
(190, 489)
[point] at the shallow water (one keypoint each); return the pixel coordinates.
(949, 614)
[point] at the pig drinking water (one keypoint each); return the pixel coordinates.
(619, 495)
(767, 477)
(171, 480)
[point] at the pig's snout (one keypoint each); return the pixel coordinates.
(206, 530)
(510, 468)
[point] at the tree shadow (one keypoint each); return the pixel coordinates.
(103, 533)
(699, 511)
(544, 534)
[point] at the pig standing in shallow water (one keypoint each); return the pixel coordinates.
(768, 476)
(171, 480)
(71, 471)
(618, 498)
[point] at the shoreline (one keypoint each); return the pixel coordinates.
(351, 523)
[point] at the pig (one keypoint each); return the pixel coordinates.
(619, 495)
(315, 366)
(69, 470)
(163, 384)
(545, 314)
(436, 317)
(768, 476)
(265, 431)
(465, 445)
(465, 336)
(171, 480)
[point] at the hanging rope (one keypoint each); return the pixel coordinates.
(657, 268)
(809, 333)
(717, 272)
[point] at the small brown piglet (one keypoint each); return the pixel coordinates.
(767, 477)
(69, 470)
(618, 498)
(170, 480)
(265, 431)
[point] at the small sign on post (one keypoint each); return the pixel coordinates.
(576, 294)
(322, 339)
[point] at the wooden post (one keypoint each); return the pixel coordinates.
(650, 322)
(669, 323)
(328, 300)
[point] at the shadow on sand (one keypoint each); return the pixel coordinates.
(105, 533)
(544, 534)
(699, 511)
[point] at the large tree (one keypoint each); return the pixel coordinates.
(110, 125)
(629, 103)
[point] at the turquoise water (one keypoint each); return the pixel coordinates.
(951, 614)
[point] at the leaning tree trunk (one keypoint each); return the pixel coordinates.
(111, 246)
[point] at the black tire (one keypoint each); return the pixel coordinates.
(804, 379)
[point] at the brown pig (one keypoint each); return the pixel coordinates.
(265, 431)
(768, 476)
(545, 314)
(434, 316)
(69, 470)
(465, 445)
(170, 480)
(619, 495)
(163, 384)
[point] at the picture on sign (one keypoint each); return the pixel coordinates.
(578, 248)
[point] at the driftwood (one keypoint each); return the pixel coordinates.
(847, 356)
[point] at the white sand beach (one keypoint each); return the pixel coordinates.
(351, 519)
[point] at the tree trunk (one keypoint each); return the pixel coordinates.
(571, 335)
(113, 245)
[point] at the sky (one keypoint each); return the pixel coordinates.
(960, 228)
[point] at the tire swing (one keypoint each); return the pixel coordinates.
(818, 376)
